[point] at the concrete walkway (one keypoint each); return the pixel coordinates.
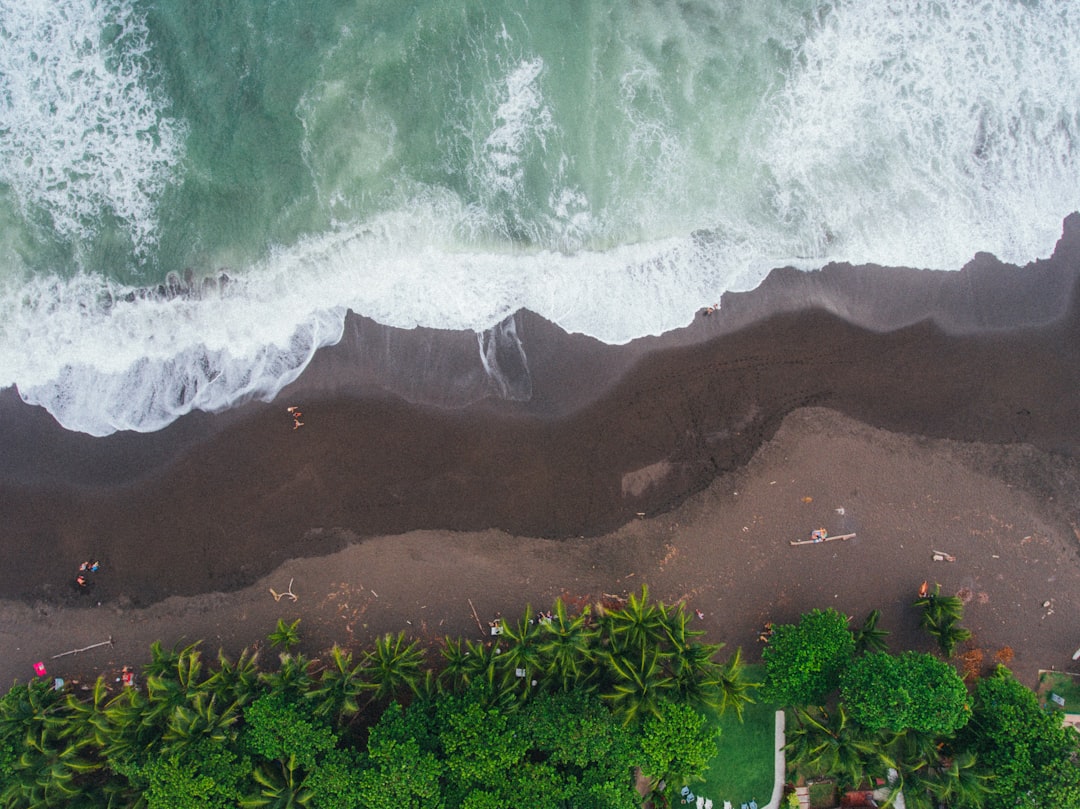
(779, 765)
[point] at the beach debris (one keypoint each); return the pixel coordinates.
(39, 669)
(840, 511)
(808, 499)
(288, 593)
(108, 642)
(819, 535)
(476, 617)
(941, 556)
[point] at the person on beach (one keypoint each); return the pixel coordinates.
(80, 581)
(297, 415)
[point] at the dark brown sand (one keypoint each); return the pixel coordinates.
(938, 410)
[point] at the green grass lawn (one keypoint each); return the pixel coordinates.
(1064, 685)
(743, 768)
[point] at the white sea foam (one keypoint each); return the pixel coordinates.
(82, 133)
(915, 132)
(909, 133)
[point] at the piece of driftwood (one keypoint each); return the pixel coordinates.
(819, 541)
(84, 648)
(288, 593)
(476, 617)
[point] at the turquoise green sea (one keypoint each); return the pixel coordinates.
(611, 165)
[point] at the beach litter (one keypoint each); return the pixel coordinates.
(941, 556)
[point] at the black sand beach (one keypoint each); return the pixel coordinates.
(932, 407)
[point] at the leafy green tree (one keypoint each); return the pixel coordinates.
(279, 728)
(337, 781)
(479, 744)
(677, 744)
(803, 661)
(1030, 754)
(913, 690)
(208, 775)
(403, 768)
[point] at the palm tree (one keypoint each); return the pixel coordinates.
(949, 635)
(238, 680)
(338, 687)
(639, 683)
(956, 782)
(734, 686)
(457, 669)
(695, 675)
(286, 635)
(569, 649)
(281, 786)
(637, 625)
(522, 652)
(392, 666)
(203, 717)
(293, 677)
(936, 607)
(35, 720)
(868, 638)
(676, 625)
(175, 663)
(832, 745)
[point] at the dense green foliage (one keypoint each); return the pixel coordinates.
(553, 712)
(557, 711)
(912, 691)
(909, 721)
(1032, 756)
(803, 661)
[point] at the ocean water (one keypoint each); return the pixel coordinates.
(193, 193)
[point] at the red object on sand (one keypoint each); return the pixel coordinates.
(39, 669)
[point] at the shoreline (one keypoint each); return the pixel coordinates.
(211, 505)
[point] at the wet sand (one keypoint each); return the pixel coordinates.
(932, 407)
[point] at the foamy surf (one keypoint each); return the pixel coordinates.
(613, 176)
